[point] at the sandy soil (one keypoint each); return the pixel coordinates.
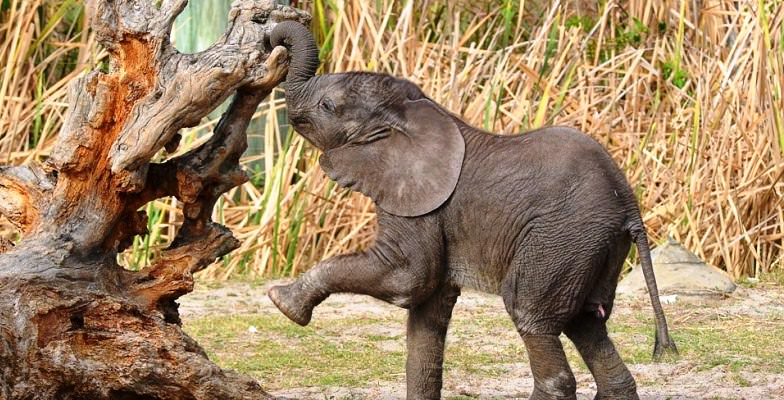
(680, 380)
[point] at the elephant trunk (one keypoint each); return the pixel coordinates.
(304, 55)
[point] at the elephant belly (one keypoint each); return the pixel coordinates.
(464, 274)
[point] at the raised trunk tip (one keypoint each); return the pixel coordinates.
(302, 48)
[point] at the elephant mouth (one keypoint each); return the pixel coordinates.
(306, 129)
(303, 126)
(298, 120)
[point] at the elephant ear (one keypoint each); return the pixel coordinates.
(411, 170)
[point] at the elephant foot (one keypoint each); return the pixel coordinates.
(286, 299)
(539, 394)
(630, 394)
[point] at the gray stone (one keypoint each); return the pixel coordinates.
(678, 271)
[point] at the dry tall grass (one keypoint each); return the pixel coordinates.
(688, 100)
(42, 48)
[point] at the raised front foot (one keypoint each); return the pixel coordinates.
(289, 300)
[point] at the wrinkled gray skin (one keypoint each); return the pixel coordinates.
(544, 219)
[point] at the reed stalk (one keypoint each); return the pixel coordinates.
(688, 101)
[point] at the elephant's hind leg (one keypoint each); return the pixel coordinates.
(553, 378)
(613, 380)
(427, 326)
(539, 305)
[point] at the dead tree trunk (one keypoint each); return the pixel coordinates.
(73, 323)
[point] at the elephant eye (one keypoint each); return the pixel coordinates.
(327, 105)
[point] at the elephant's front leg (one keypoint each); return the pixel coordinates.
(399, 283)
(427, 326)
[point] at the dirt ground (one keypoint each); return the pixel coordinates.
(687, 378)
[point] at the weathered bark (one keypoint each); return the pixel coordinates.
(73, 323)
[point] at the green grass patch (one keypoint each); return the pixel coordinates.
(282, 354)
(356, 352)
(736, 342)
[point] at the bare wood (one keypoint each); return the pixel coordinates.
(74, 324)
(22, 194)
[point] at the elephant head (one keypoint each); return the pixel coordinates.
(379, 135)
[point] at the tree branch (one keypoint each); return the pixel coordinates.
(23, 191)
(192, 85)
(75, 324)
(202, 176)
(120, 120)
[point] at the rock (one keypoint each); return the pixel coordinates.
(678, 271)
(669, 299)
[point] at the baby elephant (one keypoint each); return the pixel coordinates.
(544, 219)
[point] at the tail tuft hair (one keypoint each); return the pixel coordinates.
(663, 345)
(664, 348)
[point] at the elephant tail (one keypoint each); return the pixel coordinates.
(663, 341)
